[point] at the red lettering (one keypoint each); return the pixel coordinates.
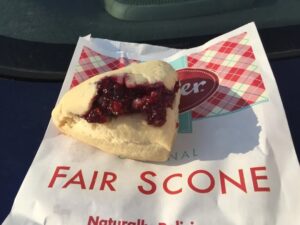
(255, 179)
(56, 174)
(93, 181)
(241, 185)
(165, 184)
(106, 181)
(73, 180)
(93, 221)
(151, 183)
(111, 221)
(197, 189)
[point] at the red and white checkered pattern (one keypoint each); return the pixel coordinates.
(240, 84)
(92, 63)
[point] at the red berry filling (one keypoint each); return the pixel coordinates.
(114, 98)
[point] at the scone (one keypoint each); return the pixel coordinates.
(130, 112)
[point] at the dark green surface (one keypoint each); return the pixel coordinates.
(63, 21)
(47, 61)
(143, 10)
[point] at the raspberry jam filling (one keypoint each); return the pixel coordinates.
(114, 99)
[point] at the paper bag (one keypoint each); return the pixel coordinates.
(233, 161)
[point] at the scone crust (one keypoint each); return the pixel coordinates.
(128, 136)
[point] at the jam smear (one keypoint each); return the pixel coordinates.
(114, 99)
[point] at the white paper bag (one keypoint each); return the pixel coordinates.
(233, 160)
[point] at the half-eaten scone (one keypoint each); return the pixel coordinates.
(130, 112)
